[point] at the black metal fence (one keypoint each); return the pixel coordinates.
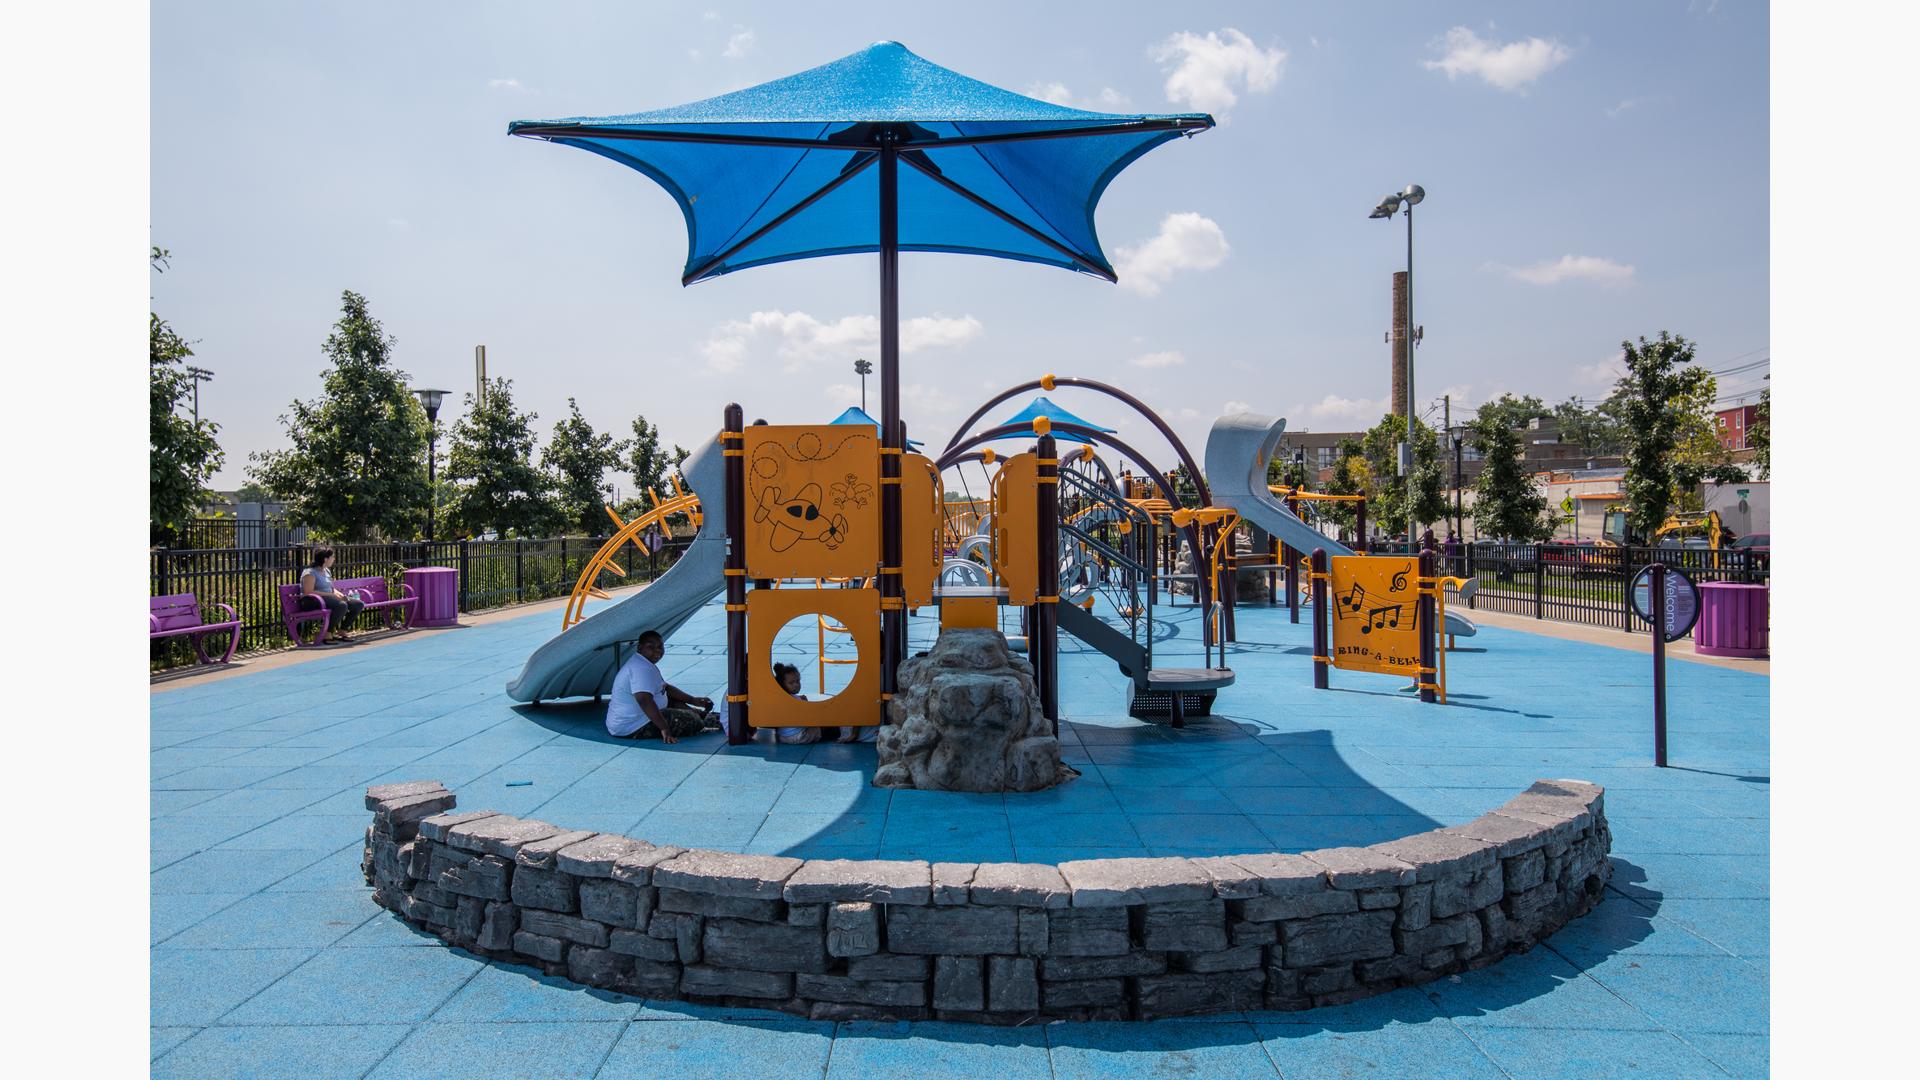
(493, 573)
(1584, 583)
(227, 532)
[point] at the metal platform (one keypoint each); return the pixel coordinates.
(1177, 693)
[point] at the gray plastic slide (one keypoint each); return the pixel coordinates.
(1238, 449)
(580, 661)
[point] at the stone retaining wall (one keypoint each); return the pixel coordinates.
(999, 943)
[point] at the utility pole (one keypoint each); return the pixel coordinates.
(863, 369)
(198, 375)
(479, 375)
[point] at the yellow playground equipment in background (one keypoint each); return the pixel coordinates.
(626, 532)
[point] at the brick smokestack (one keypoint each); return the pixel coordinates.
(1399, 338)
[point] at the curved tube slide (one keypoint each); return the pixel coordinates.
(1238, 449)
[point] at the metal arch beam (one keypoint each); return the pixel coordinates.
(958, 453)
(1179, 448)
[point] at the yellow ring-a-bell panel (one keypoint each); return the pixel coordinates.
(813, 504)
(922, 524)
(1016, 528)
(768, 610)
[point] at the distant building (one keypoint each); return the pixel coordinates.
(1730, 426)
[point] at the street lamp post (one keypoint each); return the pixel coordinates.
(1407, 199)
(430, 400)
(1459, 433)
(863, 369)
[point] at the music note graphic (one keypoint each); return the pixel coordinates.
(1382, 618)
(1355, 598)
(1399, 582)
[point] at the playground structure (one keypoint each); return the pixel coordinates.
(1060, 541)
(882, 151)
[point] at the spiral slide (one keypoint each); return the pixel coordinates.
(581, 661)
(1238, 449)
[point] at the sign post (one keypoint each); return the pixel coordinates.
(1671, 605)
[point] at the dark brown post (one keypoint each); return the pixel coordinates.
(1423, 620)
(1291, 558)
(732, 443)
(1657, 607)
(1360, 530)
(1320, 649)
(1043, 640)
(893, 615)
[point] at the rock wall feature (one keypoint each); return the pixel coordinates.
(966, 717)
(997, 943)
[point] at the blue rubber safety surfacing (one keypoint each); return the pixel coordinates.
(268, 952)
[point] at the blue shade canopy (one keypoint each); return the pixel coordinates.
(1041, 406)
(784, 170)
(857, 415)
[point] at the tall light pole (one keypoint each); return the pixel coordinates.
(1407, 199)
(430, 400)
(198, 375)
(863, 369)
(1459, 434)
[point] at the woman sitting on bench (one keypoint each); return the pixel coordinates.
(317, 591)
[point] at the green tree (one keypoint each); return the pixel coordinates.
(1387, 498)
(1350, 475)
(253, 492)
(496, 485)
(1506, 504)
(579, 457)
(1666, 410)
(1513, 411)
(1596, 430)
(648, 461)
(1285, 471)
(1760, 434)
(357, 468)
(183, 454)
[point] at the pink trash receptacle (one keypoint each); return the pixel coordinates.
(438, 588)
(1733, 620)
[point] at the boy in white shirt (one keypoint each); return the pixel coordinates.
(645, 706)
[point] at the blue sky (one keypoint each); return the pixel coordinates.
(1593, 172)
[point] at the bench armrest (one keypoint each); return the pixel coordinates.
(153, 623)
(232, 615)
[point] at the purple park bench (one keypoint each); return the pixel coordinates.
(398, 611)
(172, 616)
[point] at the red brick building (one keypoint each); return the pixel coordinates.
(1730, 425)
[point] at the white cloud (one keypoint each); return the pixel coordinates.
(1107, 100)
(1186, 241)
(1232, 407)
(740, 44)
(1573, 268)
(512, 85)
(1512, 66)
(800, 340)
(1054, 92)
(1614, 112)
(1602, 373)
(1336, 413)
(1187, 412)
(1209, 73)
(1168, 358)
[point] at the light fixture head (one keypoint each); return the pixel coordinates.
(1386, 208)
(1414, 194)
(430, 400)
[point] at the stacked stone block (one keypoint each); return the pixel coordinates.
(998, 943)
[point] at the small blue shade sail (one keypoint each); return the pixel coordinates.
(1041, 406)
(856, 415)
(788, 169)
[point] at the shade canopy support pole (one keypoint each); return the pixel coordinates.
(893, 614)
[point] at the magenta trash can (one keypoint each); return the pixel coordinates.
(1733, 620)
(438, 588)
